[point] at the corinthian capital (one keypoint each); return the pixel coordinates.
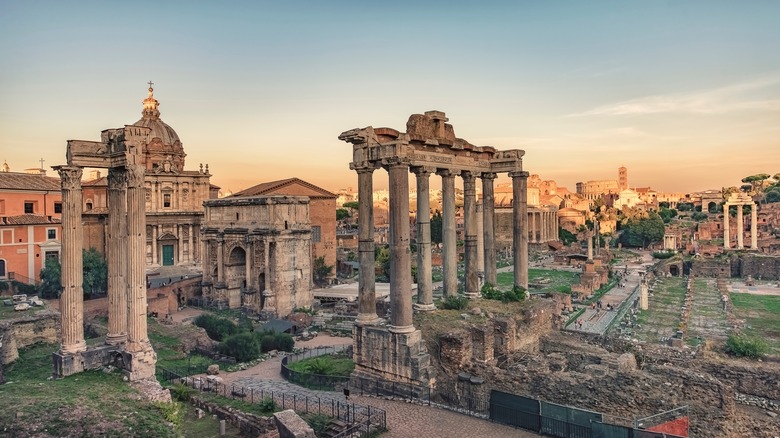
(135, 175)
(117, 178)
(70, 177)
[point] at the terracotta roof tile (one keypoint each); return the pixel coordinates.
(29, 219)
(268, 187)
(27, 181)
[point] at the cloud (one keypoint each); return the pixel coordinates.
(715, 101)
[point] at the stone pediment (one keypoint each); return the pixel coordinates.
(290, 186)
(167, 236)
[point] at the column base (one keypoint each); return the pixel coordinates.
(424, 307)
(382, 355)
(472, 295)
(76, 348)
(67, 364)
(116, 339)
(140, 364)
(400, 329)
(368, 319)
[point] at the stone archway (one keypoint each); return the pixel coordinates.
(235, 275)
(674, 271)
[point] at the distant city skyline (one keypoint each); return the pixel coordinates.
(686, 95)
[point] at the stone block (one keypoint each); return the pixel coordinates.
(291, 425)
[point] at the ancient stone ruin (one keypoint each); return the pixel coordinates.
(127, 344)
(428, 146)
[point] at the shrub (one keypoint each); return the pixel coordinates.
(217, 328)
(663, 254)
(275, 341)
(745, 346)
(516, 294)
(318, 422)
(181, 392)
(319, 365)
(489, 292)
(306, 310)
(267, 404)
(243, 346)
(455, 302)
(172, 412)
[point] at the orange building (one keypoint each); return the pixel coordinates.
(30, 228)
(322, 212)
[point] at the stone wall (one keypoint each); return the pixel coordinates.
(26, 330)
(249, 424)
(762, 266)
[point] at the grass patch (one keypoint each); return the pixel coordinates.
(91, 403)
(558, 280)
(760, 313)
(326, 365)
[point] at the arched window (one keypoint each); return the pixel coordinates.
(2, 269)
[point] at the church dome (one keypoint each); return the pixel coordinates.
(164, 151)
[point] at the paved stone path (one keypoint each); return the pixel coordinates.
(404, 419)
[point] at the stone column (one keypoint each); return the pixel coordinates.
(117, 256)
(449, 238)
(248, 277)
(590, 245)
(137, 339)
(643, 296)
(190, 249)
(753, 226)
(220, 261)
(471, 283)
(400, 253)
(72, 298)
(520, 226)
(488, 225)
(270, 300)
(740, 228)
(154, 244)
(366, 280)
(480, 244)
(153, 204)
(726, 236)
(424, 270)
(180, 243)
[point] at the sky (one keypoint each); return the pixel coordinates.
(685, 94)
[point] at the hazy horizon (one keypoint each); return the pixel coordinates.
(686, 95)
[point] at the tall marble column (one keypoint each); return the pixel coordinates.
(753, 226)
(400, 253)
(449, 238)
(480, 244)
(488, 227)
(424, 270)
(117, 256)
(471, 283)
(366, 280)
(72, 298)
(520, 226)
(726, 234)
(740, 228)
(137, 339)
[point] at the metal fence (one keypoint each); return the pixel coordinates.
(564, 421)
(312, 380)
(362, 420)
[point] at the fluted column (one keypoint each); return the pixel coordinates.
(740, 228)
(753, 226)
(520, 227)
(471, 283)
(424, 270)
(488, 227)
(480, 243)
(117, 256)
(400, 254)
(72, 298)
(449, 238)
(726, 234)
(137, 339)
(366, 279)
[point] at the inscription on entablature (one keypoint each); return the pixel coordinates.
(433, 158)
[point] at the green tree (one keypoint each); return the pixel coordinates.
(685, 206)
(382, 261)
(667, 214)
(95, 272)
(321, 271)
(341, 214)
(51, 279)
(566, 236)
(772, 195)
(641, 231)
(756, 183)
(436, 227)
(352, 205)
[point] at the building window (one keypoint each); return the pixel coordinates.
(2, 268)
(29, 208)
(167, 200)
(89, 206)
(58, 207)
(52, 255)
(51, 234)
(316, 234)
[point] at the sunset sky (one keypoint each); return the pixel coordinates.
(686, 94)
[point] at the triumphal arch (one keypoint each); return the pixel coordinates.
(429, 146)
(127, 344)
